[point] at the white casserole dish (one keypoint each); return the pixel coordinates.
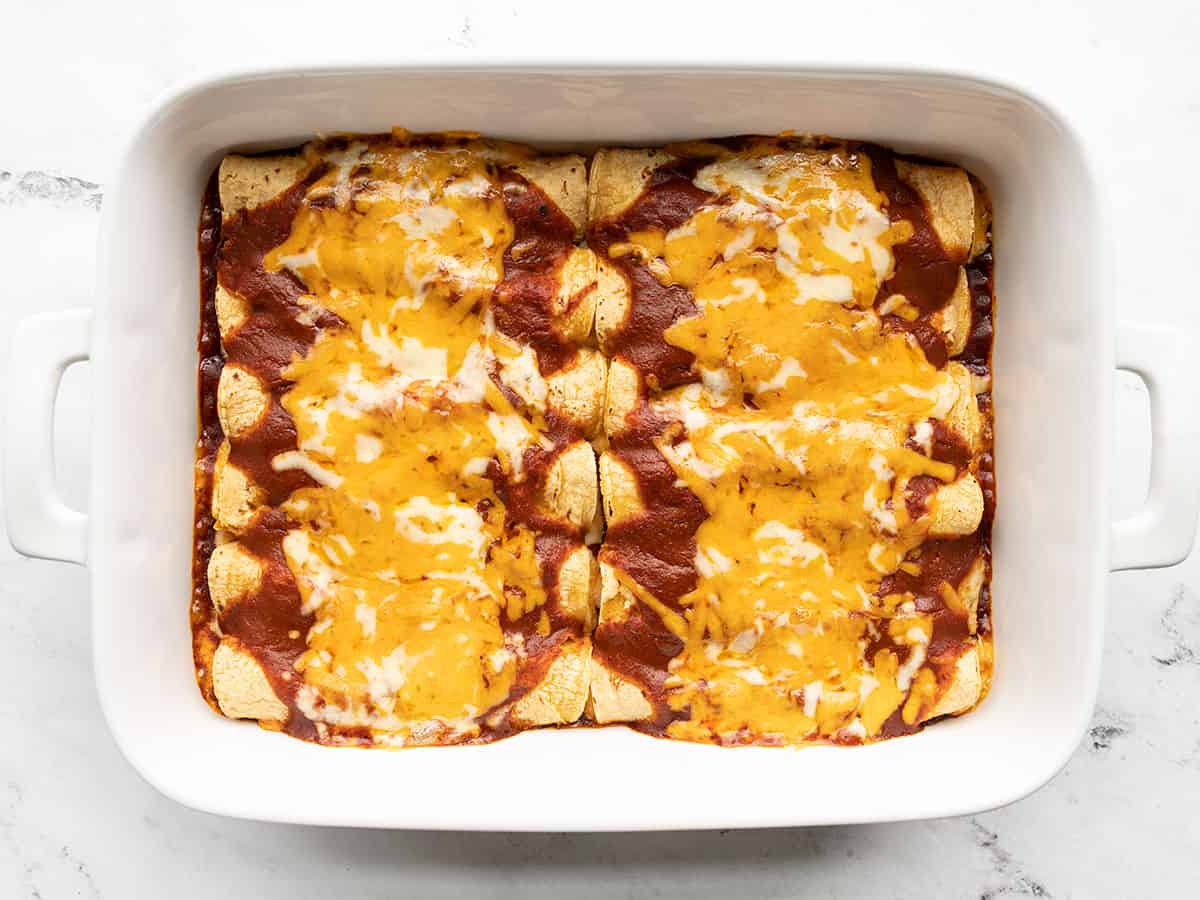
(1054, 364)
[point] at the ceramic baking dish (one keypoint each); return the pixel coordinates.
(1055, 354)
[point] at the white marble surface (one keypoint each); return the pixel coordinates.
(75, 821)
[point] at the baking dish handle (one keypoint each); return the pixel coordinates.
(39, 523)
(1161, 533)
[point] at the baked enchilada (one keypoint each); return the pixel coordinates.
(395, 476)
(798, 481)
(692, 438)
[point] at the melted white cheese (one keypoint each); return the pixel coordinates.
(710, 561)
(862, 237)
(412, 359)
(750, 176)
(683, 455)
(762, 181)
(791, 546)
(522, 375)
(471, 379)
(743, 289)
(425, 522)
(512, 437)
(365, 615)
(426, 221)
(809, 287)
(812, 696)
(297, 459)
(744, 641)
(477, 465)
(311, 569)
(717, 383)
(742, 242)
(788, 369)
(386, 677)
(367, 448)
(296, 263)
(942, 396)
(916, 656)
(923, 436)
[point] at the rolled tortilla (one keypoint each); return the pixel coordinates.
(564, 180)
(577, 391)
(964, 418)
(617, 178)
(954, 319)
(561, 695)
(983, 220)
(612, 697)
(241, 686)
(242, 401)
(579, 586)
(249, 181)
(232, 312)
(621, 396)
(613, 303)
(950, 199)
(233, 573)
(619, 489)
(964, 689)
(570, 489)
(969, 589)
(574, 305)
(956, 509)
(235, 498)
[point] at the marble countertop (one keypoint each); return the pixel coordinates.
(75, 821)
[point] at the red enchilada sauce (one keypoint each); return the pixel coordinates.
(200, 614)
(523, 304)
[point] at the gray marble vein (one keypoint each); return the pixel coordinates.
(1180, 624)
(1012, 879)
(37, 187)
(1102, 736)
